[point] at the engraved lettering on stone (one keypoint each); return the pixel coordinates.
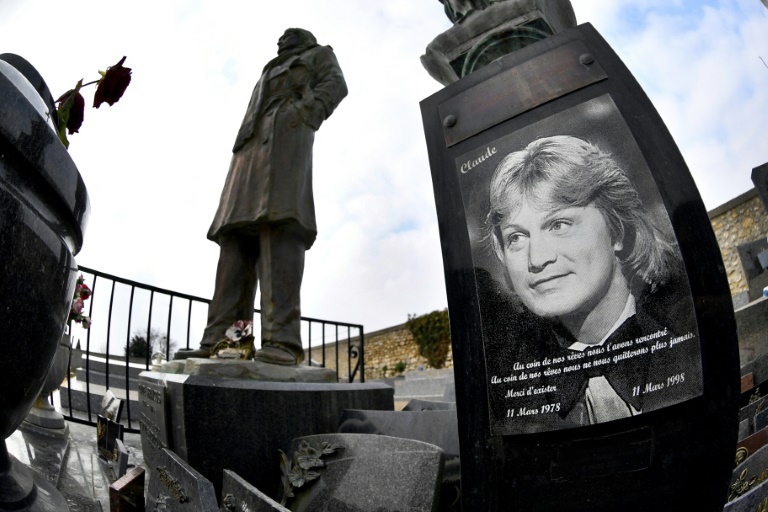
(173, 485)
(151, 431)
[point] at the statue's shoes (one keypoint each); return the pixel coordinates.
(204, 353)
(275, 355)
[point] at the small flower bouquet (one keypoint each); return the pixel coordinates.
(238, 343)
(82, 293)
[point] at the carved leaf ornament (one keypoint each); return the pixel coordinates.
(302, 471)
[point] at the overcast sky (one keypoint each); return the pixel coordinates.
(155, 162)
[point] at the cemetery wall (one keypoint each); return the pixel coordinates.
(742, 219)
(386, 351)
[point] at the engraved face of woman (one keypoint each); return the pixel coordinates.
(560, 259)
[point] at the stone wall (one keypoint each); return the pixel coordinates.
(384, 349)
(740, 220)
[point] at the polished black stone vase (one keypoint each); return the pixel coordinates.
(43, 210)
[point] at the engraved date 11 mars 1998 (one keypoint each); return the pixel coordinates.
(650, 387)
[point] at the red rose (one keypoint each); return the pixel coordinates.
(112, 85)
(72, 109)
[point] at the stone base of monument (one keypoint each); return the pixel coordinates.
(248, 370)
(44, 415)
(24, 490)
(239, 423)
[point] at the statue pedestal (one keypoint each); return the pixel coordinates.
(248, 370)
(219, 422)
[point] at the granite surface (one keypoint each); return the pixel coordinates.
(372, 473)
(439, 428)
(175, 486)
(239, 495)
(418, 404)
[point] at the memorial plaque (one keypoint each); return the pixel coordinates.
(153, 421)
(240, 496)
(107, 433)
(111, 406)
(176, 486)
(747, 382)
(119, 460)
(592, 325)
(127, 493)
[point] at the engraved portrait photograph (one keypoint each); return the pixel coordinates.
(587, 315)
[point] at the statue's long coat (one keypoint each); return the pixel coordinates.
(270, 175)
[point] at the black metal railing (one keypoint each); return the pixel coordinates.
(81, 395)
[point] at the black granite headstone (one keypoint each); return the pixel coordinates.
(175, 486)
(238, 495)
(593, 334)
(107, 433)
(153, 419)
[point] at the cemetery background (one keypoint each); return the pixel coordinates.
(744, 226)
(154, 164)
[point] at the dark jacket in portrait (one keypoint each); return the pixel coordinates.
(664, 376)
(270, 175)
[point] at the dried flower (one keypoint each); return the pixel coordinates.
(110, 88)
(72, 109)
(112, 84)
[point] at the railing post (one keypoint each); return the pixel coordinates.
(168, 330)
(189, 322)
(128, 359)
(109, 332)
(362, 355)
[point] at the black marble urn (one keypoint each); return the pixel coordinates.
(43, 210)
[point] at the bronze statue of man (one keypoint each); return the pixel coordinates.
(266, 216)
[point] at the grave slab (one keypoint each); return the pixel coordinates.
(175, 486)
(418, 404)
(754, 500)
(752, 443)
(743, 429)
(372, 473)
(239, 495)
